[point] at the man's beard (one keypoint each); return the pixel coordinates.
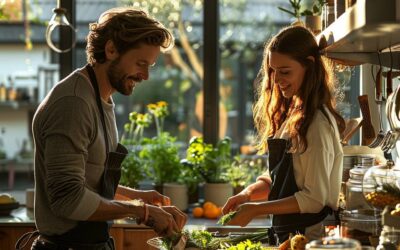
(118, 79)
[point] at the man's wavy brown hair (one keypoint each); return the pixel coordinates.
(127, 28)
(316, 91)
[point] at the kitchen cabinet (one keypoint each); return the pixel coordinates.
(125, 237)
(364, 29)
(10, 235)
(137, 239)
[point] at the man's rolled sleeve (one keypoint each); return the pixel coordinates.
(87, 206)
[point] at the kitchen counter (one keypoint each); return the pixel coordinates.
(126, 233)
(23, 217)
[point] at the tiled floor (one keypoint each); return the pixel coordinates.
(22, 182)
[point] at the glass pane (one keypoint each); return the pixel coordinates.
(244, 29)
(243, 35)
(177, 75)
(27, 72)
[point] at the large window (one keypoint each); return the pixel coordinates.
(29, 68)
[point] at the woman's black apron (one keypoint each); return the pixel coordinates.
(284, 185)
(91, 235)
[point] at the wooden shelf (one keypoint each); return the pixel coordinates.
(18, 105)
(364, 29)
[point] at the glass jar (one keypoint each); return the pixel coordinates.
(354, 195)
(328, 15)
(363, 225)
(389, 239)
(381, 185)
(351, 161)
(333, 243)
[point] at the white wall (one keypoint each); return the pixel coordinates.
(15, 60)
(16, 125)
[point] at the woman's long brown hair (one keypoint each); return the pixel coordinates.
(317, 90)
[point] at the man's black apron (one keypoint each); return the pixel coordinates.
(284, 185)
(91, 235)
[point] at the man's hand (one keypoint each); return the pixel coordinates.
(148, 196)
(179, 217)
(154, 198)
(162, 222)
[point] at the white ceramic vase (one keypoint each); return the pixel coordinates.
(217, 193)
(178, 193)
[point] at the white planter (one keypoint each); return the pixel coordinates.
(178, 193)
(314, 23)
(217, 193)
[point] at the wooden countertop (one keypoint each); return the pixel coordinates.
(23, 217)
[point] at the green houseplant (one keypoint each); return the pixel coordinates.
(162, 155)
(312, 16)
(211, 163)
(245, 170)
(156, 157)
(297, 11)
(132, 171)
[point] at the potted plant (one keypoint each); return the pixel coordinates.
(160, 153)
(312, 16)
(161, 160)
(132, 171)
(295, 12)
(212, 164)
(244, 170)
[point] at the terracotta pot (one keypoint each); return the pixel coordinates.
(178, 193)
(217, 193)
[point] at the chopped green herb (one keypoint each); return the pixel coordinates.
(202, 239)
(226, 218)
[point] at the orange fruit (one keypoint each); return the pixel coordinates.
(208, 204)
(212, 212)
(220, 211)
(198, 212)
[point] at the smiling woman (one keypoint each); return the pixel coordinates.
(287, 73)
(297, 126)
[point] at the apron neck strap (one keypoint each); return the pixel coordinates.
(95, 85)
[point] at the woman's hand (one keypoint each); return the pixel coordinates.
(179, 217)
(234, 201)
(154, 198)
(244, 214)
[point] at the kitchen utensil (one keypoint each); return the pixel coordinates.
(392, 135)
(386, 143)
(378, 99)
(368, 132)
(394, 122)
(352, 125)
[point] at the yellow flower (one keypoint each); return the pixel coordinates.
(162, 104)
(133, 116)
(151, 106)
